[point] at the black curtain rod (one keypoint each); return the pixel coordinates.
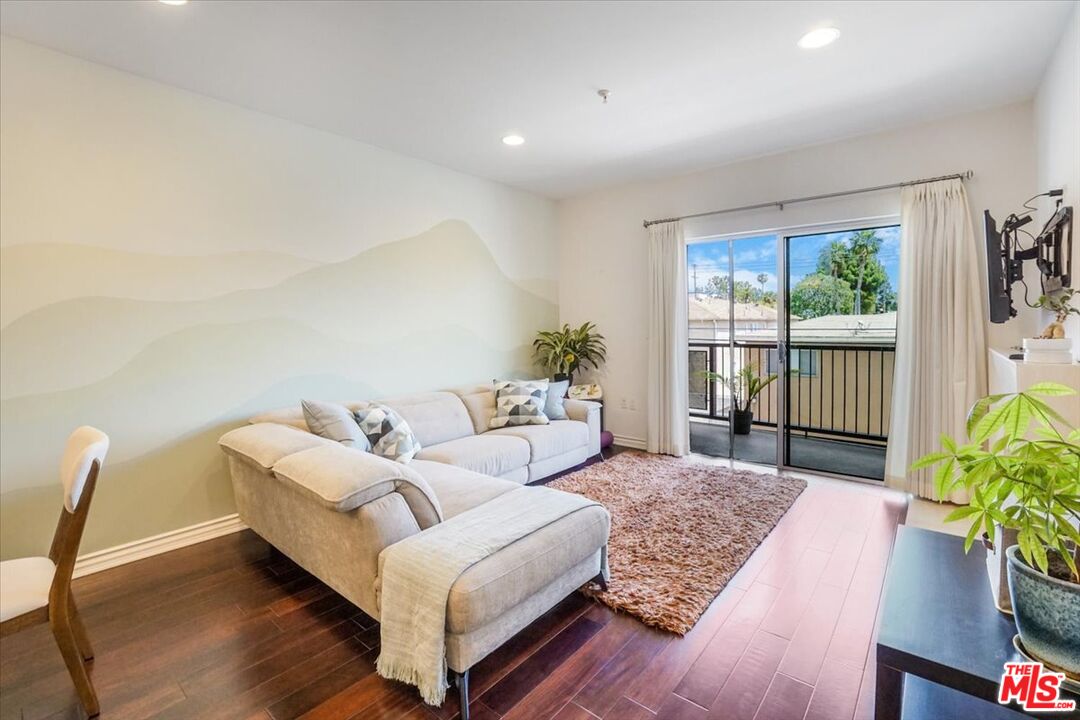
(966, 175)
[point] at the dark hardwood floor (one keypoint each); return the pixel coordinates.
(227, 629)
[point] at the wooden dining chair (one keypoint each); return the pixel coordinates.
(36, 590)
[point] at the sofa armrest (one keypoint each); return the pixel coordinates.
(263, 444)
(337, 477)
(588, 413)
(344, 478)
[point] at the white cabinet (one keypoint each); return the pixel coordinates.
(1010, 376)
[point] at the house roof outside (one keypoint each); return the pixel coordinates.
(879, 329)
(710, 309)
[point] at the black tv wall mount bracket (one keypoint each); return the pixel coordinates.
(1051, 250)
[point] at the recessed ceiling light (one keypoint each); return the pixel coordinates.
(513, 140)
(173, 2)
(818, 38)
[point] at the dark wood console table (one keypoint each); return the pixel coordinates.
(941, 642)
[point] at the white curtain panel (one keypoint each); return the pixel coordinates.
(668, 429)
(941, 333)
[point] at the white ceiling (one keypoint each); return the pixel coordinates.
(694, 84)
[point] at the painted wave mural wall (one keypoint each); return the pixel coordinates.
(171, 265)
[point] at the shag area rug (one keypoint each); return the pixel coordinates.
(679, 530)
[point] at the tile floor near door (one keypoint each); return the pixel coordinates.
(845, 457)
(226, 629)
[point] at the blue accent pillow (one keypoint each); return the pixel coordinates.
(553, 408)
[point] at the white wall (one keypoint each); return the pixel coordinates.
(603, 244)
(171, 264)
(1057, 139)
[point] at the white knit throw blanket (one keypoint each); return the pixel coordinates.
(418, 572)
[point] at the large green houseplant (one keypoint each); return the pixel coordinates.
(567, 349)
(1021, 469)
(745, 387)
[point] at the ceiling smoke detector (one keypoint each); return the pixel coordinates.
(604, 94)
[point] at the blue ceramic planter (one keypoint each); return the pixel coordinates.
(1047, 614)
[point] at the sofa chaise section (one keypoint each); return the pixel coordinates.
(335, 509)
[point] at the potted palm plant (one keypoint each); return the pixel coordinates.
(1021, 468)
(745, 387)
(566, 350)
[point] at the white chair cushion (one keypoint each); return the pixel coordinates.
(486, 454)
(24, 585)
(85, 446)
(546, 441)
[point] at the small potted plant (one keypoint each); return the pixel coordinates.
(565, 350)
(1028, 480)
(1052, 345)
(745, 388)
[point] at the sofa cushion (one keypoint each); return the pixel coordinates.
(519, 476)
(334, 422)
(390, 436)
(520, 402)
(459, 489)
(479, 400)
(549, 440)
(499, 582)
(434, 417)
(488, 454)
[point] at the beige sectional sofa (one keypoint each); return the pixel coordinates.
(333, 509)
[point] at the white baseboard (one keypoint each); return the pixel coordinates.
(157, 544)
(630, 442)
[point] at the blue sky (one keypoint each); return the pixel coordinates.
(755, 255)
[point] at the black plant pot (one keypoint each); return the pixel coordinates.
(742, 420)
(559, 377)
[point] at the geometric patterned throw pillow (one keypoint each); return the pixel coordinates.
(520, 402)
(388, 433)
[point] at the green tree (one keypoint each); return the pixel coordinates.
(744, 292)
(864, 249)
(833, 259)
(762, 278)
(819, 294)
(717, 286)
(885, 301)
(855, 260)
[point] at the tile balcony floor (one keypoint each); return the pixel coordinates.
(836, 456)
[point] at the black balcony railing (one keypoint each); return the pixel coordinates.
(842, 391)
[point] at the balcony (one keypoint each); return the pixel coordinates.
(839, 400)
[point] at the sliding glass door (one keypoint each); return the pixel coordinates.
(839, 335)
(792, 340)
(733, 316)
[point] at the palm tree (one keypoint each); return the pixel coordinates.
(833, 258)
(762, 278)
(864, 245)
